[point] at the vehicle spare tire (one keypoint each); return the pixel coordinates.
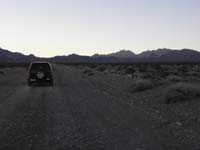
(40, 75)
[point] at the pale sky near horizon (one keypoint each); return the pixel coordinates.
(61, 27)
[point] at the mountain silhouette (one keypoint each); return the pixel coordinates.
(154, 53)
(8, 56)
(159, 55)
(73, 58)
(119, 54)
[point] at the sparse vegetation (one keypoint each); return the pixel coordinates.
(181, 92)
(88, 72)
(5, 65)
(150, 71)
(194, 74)
(129, 70)
(142, 68)
(183, 70)
(119, 68)
(93, 65)
(174, 78)
(101, 68)
(143, 90)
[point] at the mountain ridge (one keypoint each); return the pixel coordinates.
(159, 55)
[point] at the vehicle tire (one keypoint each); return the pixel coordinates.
(51, 83)
(29, 83)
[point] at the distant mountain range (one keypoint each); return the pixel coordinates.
(159, 55)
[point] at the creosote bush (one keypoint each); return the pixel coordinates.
(141, 85)
(101, 68)
(93, 65)
(5, 65)
(129, 70)
(181, 92)
(119, 68)
(174, 78)
(89, 72)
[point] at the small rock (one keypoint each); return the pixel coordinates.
(157, 111)
(178, 123)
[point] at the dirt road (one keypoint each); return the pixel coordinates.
(74, 114)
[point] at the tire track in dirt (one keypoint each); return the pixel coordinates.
(23, 120)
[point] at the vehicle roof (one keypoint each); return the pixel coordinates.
(41, 62)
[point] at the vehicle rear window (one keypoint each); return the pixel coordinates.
(40, 66)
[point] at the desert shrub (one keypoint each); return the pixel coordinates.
(163, 73)
(142, 68)
(181, 92)
(174, 78)
(194, 74)
(182, 70)
(141, 85)
(129, 70)
(149, 75)
(196, 68)
(119, 68)
(124, 67)
(93, 65)
(101, 68)
(80, 67)
(89, 72)
(173, 71)
(5, 65)
(157, 67)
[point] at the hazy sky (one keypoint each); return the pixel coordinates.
(52, 27)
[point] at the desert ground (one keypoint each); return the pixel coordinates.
(102, 107)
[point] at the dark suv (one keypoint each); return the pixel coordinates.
(40, 72)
